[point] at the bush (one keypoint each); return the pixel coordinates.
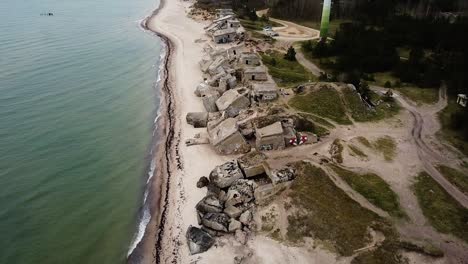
(388, 84)
(291, 54)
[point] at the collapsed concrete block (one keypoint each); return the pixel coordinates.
(263, 193)
(197, 119)
(216, 221)
(226, 174)
(233, 211)
(226, 138)
(209, 204)
(198, 240)
(252, 163)
(234, 225)
(240, 192)
(209, 101)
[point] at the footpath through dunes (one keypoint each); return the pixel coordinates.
(423, 127)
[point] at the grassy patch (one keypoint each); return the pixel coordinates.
(420, 95)
(323, 102)
(257, 25)
(382, 77)
(373, 188)
(326, 213)
(455, 138)
(456, 177)
(442, 211)
(357, 151)
(387, 146)
(285, 72)
(364, 141)
(361, 113)
(318, 120)
(336, 151)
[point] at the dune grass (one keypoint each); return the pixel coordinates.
(327, 214)
(373, 188)
(286, 73)
(325, 102)
(357, 151)
(443, 212)
(456, 177)
(361, 113)
(364, 141)
(387, 146)
(455, 138)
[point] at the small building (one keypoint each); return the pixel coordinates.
(250, 59)
(265, 92)
(226, 138)
(232, 101)
(233, 23)
(270, 137)
(462, 100)
(258, 73)
(224, 35)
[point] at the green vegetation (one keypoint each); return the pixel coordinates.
(364, 141)
(452, 128)
(373, 188)
(336, 151)
(361, 113)
(326, 213)
(442, 211)
(318, 120)
(322, 102)
(257, 25)
(357, 151)
(420, 95)
(387, 146)
(422, 247)
(456, 177)
(285, 72)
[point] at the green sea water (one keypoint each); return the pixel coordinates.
(77, 105)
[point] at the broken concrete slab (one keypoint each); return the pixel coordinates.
(226, 138)
(197, 119)
(233, 211)
(226, 174)
(232, 102)
(282, 175)
(216, 221)
(240, 192)
(209, 204)
(209, 101)
(198, 240)
(246, 217)
(252, 163)
(234, 225)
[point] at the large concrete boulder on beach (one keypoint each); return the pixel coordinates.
(240, 192)
(198, 240)
(226, 174)
(209, 101)
(216, 221)
(197, 119)
(209, 204)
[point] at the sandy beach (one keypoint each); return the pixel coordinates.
(175, 193)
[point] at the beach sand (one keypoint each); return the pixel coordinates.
(174, 193)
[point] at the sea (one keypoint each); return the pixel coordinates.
(78, 104)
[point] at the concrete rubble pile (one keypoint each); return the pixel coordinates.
(232, 194)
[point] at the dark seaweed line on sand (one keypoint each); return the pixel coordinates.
(169, 142)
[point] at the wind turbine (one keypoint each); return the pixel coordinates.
(325, 19)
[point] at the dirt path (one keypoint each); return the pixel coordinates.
(314, 69)
(426, 154)
(291, 31)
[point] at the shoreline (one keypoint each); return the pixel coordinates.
(159, 185)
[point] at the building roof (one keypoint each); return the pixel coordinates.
(249, 55)
(258, 69)
(463, 96)
(271, 130)
(264, 88)
(224, 130)
(222, 32)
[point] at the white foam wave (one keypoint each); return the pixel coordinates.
(141, 230)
